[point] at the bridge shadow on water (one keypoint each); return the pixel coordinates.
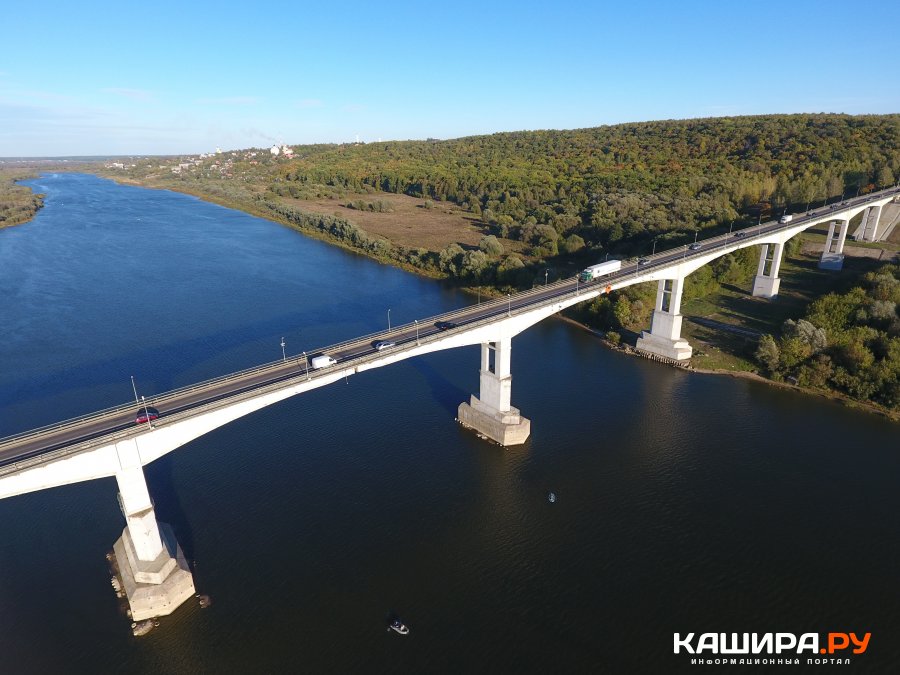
(168, 507)
(444, 392)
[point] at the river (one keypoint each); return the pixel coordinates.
(685, 502)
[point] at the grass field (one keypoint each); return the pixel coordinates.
(410, 223)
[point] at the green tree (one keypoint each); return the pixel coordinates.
(768, 353)
(491, 246)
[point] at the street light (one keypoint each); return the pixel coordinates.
(508, 304)
(696, 232)
(135, 391)
(653, 252)
(417, 330)
(546, 272)
(389, 319)
(730, 225)
(306, 361)
(283, 355)
(146, 413)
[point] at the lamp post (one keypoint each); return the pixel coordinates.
(508, 304)
(135, 391)
(546, 273)
(146, 412)
(730, 225)
(417, 330)
(306, 361)
(696, 232)
(653, 252)
(283, 355)
(389, 318)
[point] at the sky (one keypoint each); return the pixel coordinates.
(103, 78)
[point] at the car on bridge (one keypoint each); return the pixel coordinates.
(384, 344)
(445, 325)
(740, 235)
(696, 246)
(146, 414)
(643, 261)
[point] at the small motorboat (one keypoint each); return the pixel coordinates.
(398, 626)
(551, 497)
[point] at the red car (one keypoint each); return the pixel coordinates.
(146, 414)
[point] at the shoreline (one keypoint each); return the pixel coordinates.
(836, 397)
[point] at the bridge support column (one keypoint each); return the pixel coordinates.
(664, 337)
(870, 231)
(151, 565)
(491, 413)
(833, 251)
(766, 282)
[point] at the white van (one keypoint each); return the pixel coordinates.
(786, 219)
(322, 361)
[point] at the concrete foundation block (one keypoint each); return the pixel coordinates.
(506, 428)
(766, 287)
(172, 582)
(832, 261)
(677, 349)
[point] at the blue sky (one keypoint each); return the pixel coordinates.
(99, 78)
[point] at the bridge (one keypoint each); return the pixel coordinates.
(152, 568)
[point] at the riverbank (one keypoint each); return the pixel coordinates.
(735, 373)
(18, 204)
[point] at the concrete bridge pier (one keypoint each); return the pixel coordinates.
(833, 252)
(152, 567)
(664, 337)
(491, 412)
(766, 282)
(870, 223)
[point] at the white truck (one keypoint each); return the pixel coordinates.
(595, 271)
(322, 361)
(786, 219)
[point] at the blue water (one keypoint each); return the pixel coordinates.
(685, 503)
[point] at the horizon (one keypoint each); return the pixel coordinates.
(137, 84)
(421, 140)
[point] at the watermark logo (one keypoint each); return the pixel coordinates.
(786, 648)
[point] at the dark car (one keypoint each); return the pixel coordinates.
(643, 261)
(833, 206)
(146, 414)
(384, 344)
(695, 247)
(444, 325)
(740, 235)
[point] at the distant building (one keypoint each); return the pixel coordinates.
(286, 151)
(275, 150)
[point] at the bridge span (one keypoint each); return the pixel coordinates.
(109, 443)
